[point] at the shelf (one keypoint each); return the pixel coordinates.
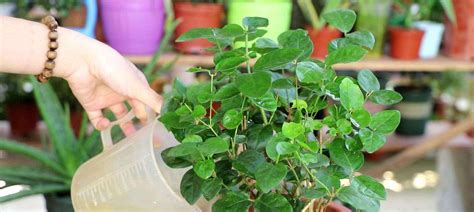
(440, 63)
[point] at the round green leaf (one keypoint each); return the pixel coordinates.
(342, 19)
(254, 22)
(309, 72)
(213, 146)
(269, 176)
(346, 54)
(372, 141)
(271, 202)
(230, 64)
(211, 187)
(286, 148)
(362, 38)
(199, 111)
(370, 187)
(248, 161)
(385, 97)
(292, 130)
(204, 169)
(297, 39)
(352, 160)
(276, 58)
(351, 95)
(344, 126)
(385, 121)
(192, 139)
(266, 102)
(361, 117)
(232, 119)
(368, 81)
(183, 149)
(255, 84)
(352, 196)
(190, 187)
(232, 201)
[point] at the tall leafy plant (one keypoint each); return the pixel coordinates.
(316, 19)
(406, 12)
(60, 158)
(260, 137)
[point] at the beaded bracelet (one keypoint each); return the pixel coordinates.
(49, 65)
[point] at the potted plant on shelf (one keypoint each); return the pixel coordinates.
(405, 39)
(133, 27)
(251, 139)
(21, 111)
(197, 14)
(277, 11)
(60, 158)
(416, 106)
(432, 15)
(373, 17)
(320, 33)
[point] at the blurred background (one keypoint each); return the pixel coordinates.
(424, 50)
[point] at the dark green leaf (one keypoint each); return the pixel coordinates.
(255, 22)
(232, 119)
(230, 31)
(372, 141)
(362, 38)
(272, 202)
(385, 97)
(266, 43)
(258, 136)
(183, 149)
(211, 187)
(270, 148)
(312, 193)
(226, 92)
(266, 102)
(292, 130)
(322, 161)
(230, 64)
(174, 162)
(342, 19)
(183, 111)
(213, 146)
(351, 95)
(385, 121)
(346, 54)
(196, 33)
(179, 89)
(297, 39)
(286, 148)
(283, 83)
(276, 58)
(269, 176)
(204, 169)
(255, 84)
(351, 160)
(194, 91)
(361, 117)
(248, 161)
(192, 139)
(350, 195)
(370, 187)
(368, 81)
(309, 72)
(354, 144)
(197, 70)
(232, 202)
(191, 187)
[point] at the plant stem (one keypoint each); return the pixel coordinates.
(247, 53)
(264, 116)
(202, 122)
(210, 102)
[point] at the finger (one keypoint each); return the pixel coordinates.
(150, 98)
(139, 109)
(120, 111)
(98, 120)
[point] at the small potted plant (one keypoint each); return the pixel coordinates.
(373, 17)
(320, 33)
(251, 138)
(197, 14)
(277, 11)
(60, 158)
(432, 15)
(405, 39)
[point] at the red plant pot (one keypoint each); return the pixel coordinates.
(321, 39)
(23, 118)
(405, 43)
(196, 15)
(459, 36)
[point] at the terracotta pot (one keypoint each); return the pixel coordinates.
(76, 17)
(321, 39)
(22, 118)
(405, 43)
(459, 37)
(196, 15)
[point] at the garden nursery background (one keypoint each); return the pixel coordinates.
(419, 55)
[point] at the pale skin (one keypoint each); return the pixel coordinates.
(99, 76)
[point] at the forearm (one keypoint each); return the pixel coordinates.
(23, 47)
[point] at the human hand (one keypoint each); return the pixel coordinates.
(105, 80)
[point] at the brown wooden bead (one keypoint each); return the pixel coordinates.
(47, 73)
(41, 78)
(47, 19)
(53, 45)
(52, 25)
(51, 54)
(53, 35)
(49, 64)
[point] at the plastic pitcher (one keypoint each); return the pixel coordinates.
(129, 175)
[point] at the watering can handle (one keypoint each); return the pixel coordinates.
(106, 134)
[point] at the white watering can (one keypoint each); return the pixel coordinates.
(129, 175)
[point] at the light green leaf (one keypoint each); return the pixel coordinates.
(361, 117)
(196, 33)
(226, 92)
(292, 130)
(192, 139)
(266, 43)
(370, 187)
(372, 141)
(344, 126)
(297, 39)
(232, 119)
(351, 95)
(213, 146)
(199, 111)
(211, 187)
(255, 22)
(230, 64)
(230, 31)
(248, 161)
(346, 54)
(204, 169)
(255, 84)
(368, 81)
(385, 97)
(271, 202)
(351, 160)
(269, 176)
(342, 19)
(197, 70)
(276, 58)
(232, 202)
(309, 72)
(286, 148)
(352, 196)
(183, 149)
(362, 38)
(266, 102)
(385, 121)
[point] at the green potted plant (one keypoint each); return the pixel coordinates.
(197, 14)
(250, 137)
(21, 111)
(320, 33)
(432, 13)
(277, 11)
(373, 17)
(57, 162)
(405, 39)
(416, 106)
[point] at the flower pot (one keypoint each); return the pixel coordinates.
(22, 118)
(415, 109)
(196, 15)
(321, 39)
(431, 39)
(372, 17)
(405, 43)
(278, 13)
(133, 27)
(7, 8)
(58, 203)
(459, 37)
